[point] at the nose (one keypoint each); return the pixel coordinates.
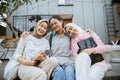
(42, 29)
(71, 31)
(53, 26)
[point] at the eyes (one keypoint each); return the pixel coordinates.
(70, 30)
(55, 22)
(52, 24)
(43, 26)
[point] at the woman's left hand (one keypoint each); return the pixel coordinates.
(40, 57)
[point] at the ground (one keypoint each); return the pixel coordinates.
(113, 74)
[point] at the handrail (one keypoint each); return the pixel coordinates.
(7, 38)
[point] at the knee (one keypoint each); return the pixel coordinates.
(70, 69)
(40, 76)
(53, 61)
(58, 71)
(44, 76)
(83, 57)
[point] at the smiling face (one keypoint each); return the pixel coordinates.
(71, 31)
(55, 24)
(41, 28)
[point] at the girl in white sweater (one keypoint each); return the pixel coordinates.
(28, 52)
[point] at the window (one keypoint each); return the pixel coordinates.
(26, 22)
(65, 2)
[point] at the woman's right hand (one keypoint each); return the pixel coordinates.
(88, 51)
(24, 34)
(26, 62)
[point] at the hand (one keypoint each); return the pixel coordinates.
(29, 62)
(88, 31)
(88, 51)
(43, 53)
(40, 56)
(26, 62)
(24, 34)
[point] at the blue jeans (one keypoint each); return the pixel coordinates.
(65, 72)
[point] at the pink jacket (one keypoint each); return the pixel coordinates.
(99, 49)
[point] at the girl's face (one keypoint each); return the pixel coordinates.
(72, 31)
(41, 29)
(55, 24)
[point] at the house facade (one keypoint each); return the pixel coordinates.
(93, 14)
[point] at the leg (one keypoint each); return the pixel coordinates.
(82, 64)
(31, 73)
(58, 73)
(48, 65)
(69, 72)
(96, 73)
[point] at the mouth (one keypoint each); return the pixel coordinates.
(55, 28)
(41, 32)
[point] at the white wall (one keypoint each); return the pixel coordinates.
(86, 13)
(90, 14)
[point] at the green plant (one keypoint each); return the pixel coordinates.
(8, 7)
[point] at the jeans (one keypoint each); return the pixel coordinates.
(64, 72)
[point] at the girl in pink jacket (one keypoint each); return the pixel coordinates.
(84, 69)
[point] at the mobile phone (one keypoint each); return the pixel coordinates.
(47, 52)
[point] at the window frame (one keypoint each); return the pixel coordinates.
(63, 3)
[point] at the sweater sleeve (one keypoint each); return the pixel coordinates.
(100, 45)
(19, 49)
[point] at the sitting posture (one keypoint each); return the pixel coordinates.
(29, 61)
(84, 69)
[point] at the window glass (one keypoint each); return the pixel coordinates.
(65, 2)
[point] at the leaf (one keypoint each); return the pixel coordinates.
(30, 2)
(13, 1)
(8, 10)
(36, 0)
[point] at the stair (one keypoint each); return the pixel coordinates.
(113, 74)
(110, 20)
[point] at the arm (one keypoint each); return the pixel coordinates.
(18, 55)
(19, 49)
(24, 34)
(26, 62)
(100, 45)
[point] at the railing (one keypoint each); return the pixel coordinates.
(8, 45)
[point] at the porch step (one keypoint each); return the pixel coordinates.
(115, 71)
(112, 78)
(115, 60)
(113, 74)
